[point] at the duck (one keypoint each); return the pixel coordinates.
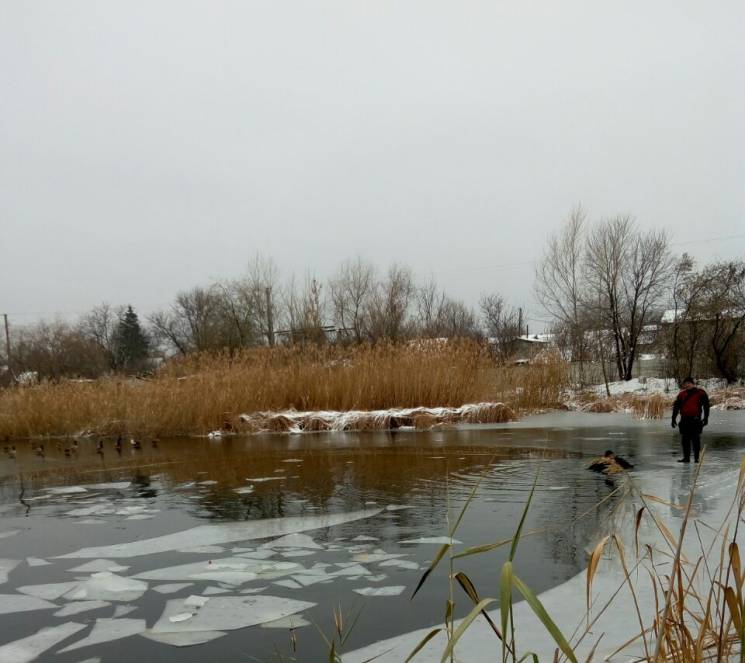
(135, 444)
(609, 463)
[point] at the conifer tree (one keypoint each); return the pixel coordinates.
(132, 343)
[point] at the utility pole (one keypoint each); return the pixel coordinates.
(7, 343)
(269, 317)
(520, 321)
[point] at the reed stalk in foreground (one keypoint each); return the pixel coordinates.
(699, 612)
(200, 393)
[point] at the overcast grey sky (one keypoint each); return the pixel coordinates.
(146, 147)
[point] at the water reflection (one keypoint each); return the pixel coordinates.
(186, 482)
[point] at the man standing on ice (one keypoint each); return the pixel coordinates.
(693, 406)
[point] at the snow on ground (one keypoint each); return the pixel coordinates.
(566, 603)
(653, 386)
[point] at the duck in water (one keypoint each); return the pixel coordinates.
(609, 463)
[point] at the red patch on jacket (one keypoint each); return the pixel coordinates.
(692, 405)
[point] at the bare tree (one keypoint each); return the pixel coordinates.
(501, 324)
(631, 270)
(99, 325)
(350, 291)
(559, 284)
(724, 307)
(388, 314)
(305, 310)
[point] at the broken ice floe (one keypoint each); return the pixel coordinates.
(108, 586)
(187, 639)
(107, 630)
(48, 591)
(291, 622)
(98, 565)
(29, 648)
(228, 613)
(229, 570)
(214, 591)
(8, 533)
(393, 590)
(6, 566)
(66, 490)
(77, 607)
(36, 561)
(293, 541)
(122, 610)
(203, 550)
(244, 490)
(11, 603)
(401, 564)
(222, 533)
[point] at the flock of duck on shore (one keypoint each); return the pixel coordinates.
(72, 450)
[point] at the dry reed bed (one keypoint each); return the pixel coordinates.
(200, 393)
(654, 406)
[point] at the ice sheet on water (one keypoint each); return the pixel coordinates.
(112, 485)
(398, 507)
(6, 566)
(209, 482)
(98, 565)
(293, 541)
(36, 561)
(172, 588)
(376, 556)
(227, 613)
(202, 550)
(107, 630)
(298, 553)
(291, 622)
(29, 648)
(77, 607)
(257, 554)
(222, 533)
(140, 516)
(108, 586)
(440, 540)
(8, 533)
(363, 537)
(254, 590)
(66, 490)
(10, 603)
(49, 591)
(243, 490)
(393, 590)
(183, 639)
(94, 510)
(90, 521)
(214, 591)
(122, 610)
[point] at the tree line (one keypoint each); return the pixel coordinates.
(605, 286)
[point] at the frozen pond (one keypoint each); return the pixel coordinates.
(226, 544)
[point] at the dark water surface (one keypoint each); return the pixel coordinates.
(184, 483)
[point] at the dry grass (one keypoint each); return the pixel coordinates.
(203, 392)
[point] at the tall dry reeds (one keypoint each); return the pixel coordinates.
(202, 392)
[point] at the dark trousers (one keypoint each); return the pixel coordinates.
(690, 436)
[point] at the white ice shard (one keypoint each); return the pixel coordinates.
(227, 613)
(6, 566)
(440, 540)
(214, 591)
(30, 648)
(222, 533)
(98, 565)
(393, 590)
(113, 485)
(263, 479)
(107, 630)
(108, 586)
(77, 607)
(363, 537)
(36, 561)
(298, 553)
(11, 603)
(8, 533)
(288, 584)
(172, 588)
(243, 490)
(186, 639)
(122, 610)
(293, 541)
